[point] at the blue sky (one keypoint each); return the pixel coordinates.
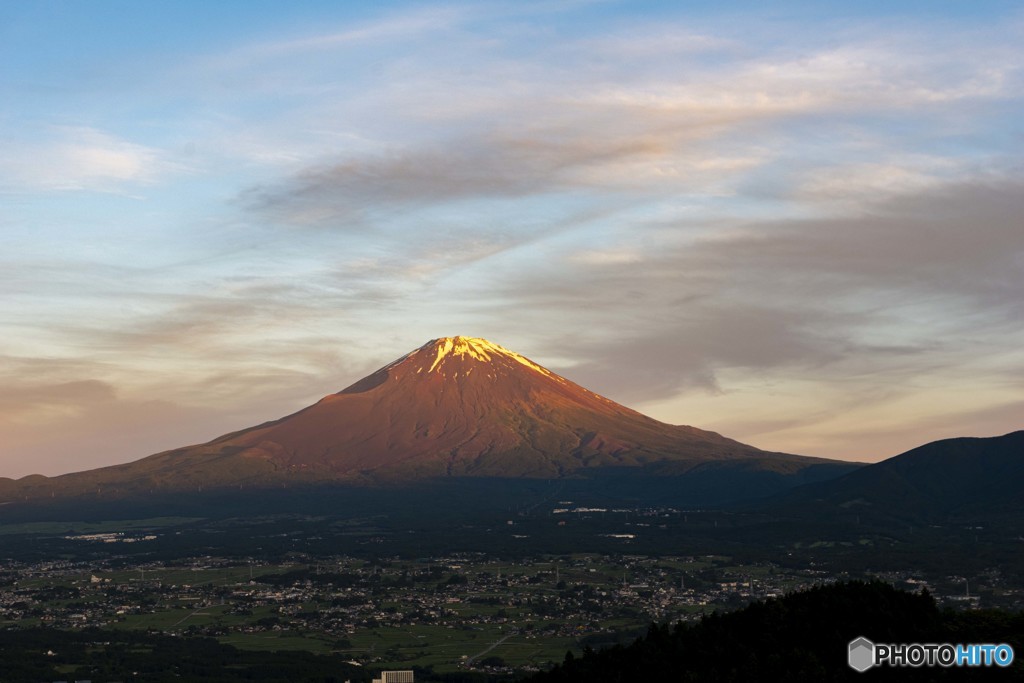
(798, 225)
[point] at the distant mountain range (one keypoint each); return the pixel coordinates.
(457, 407)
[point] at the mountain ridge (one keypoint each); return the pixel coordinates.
(940, 480)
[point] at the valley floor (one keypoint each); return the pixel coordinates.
(464, 612)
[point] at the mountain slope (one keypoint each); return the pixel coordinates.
(959, 477)
(455, 407)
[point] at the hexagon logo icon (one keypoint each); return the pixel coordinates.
(861, 654)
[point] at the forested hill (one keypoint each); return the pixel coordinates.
(800, 637)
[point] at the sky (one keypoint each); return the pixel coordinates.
(799, 224)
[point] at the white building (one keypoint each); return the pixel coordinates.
(394, 677)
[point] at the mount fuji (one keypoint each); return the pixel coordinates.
(457, 407)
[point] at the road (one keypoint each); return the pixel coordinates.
(495, 644)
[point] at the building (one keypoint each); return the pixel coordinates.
(394, 677)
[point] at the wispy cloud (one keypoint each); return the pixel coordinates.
(696, 127)
(415, 23)
(462, 170)
(58, 428)
(884, 303)
(81, 159)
